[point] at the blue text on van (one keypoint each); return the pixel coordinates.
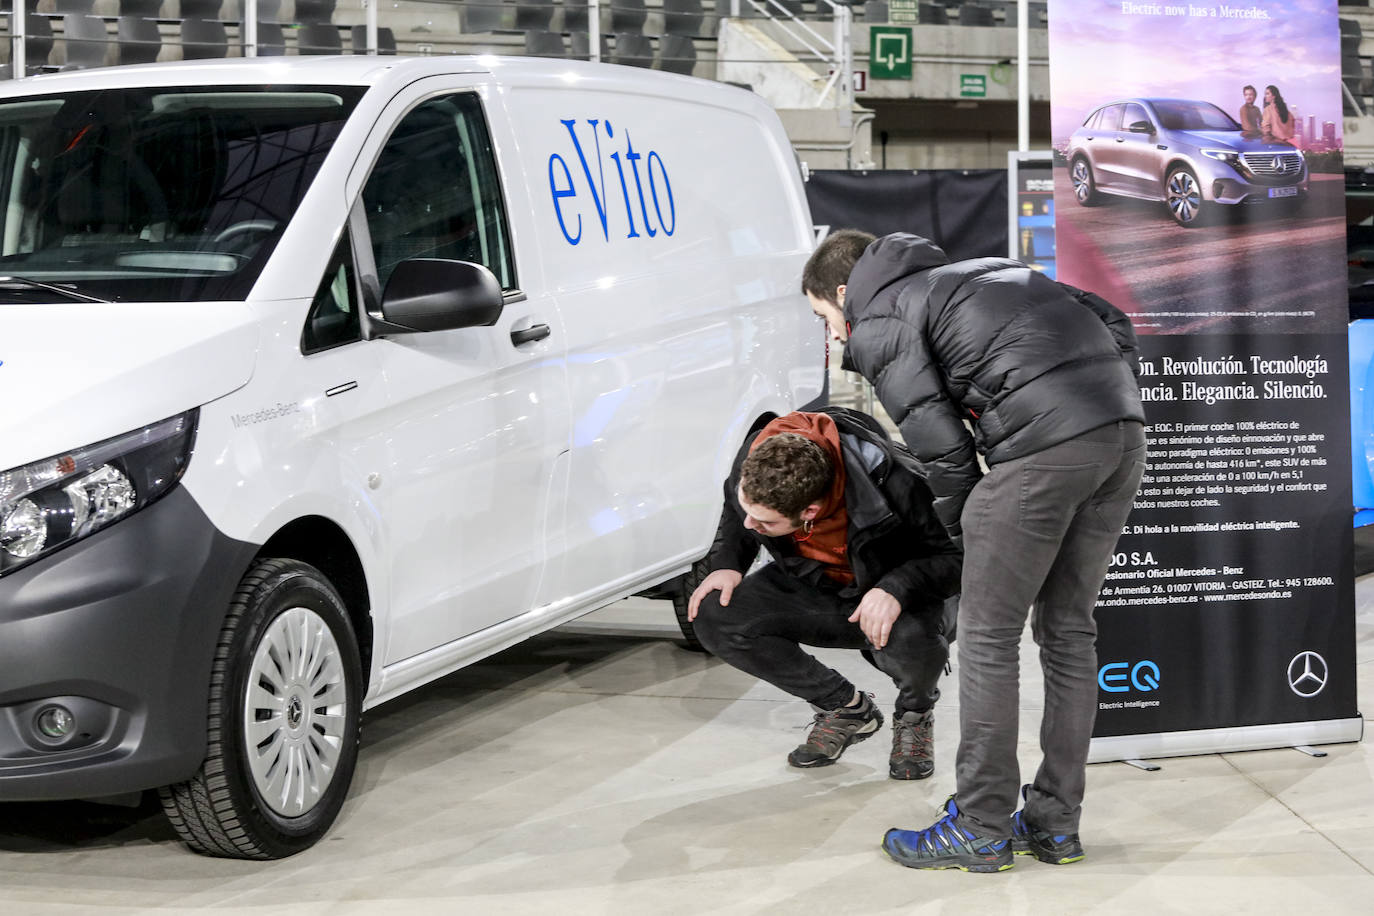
(655, 176)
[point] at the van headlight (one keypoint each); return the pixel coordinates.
(60, 500)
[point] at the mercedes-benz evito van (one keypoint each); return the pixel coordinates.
(326, 377)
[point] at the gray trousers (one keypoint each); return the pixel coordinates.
(1039, 532)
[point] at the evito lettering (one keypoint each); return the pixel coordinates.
(567, 192)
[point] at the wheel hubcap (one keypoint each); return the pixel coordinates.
(1184, 199)
(294, 712)
(1080, 181)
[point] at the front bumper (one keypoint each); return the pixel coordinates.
(120, 630)
(1233, 188)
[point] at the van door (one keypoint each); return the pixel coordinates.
(478, 416)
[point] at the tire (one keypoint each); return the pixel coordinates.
(1084, 185)
(271, 785)
(1183, 195)
(687, 583)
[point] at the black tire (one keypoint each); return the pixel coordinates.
(281, 606)
(1183, 195)
(1083, 184)
(687, 583)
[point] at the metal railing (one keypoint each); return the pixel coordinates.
(835, 52)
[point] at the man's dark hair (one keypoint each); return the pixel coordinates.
(1251, 88)
(829, 265)
(786, 473)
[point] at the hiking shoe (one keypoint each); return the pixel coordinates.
(1029, 840)
(948, 844)
(913, 745)
(834, 730)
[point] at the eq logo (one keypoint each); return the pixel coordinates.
(638, 194)
(1121, 677)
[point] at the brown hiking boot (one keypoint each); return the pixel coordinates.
(834, 730)
(913, 745)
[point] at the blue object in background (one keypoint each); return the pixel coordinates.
(1362, 418)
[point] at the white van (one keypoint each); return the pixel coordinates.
(325, 377)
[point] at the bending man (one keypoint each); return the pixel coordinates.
(1045, 374)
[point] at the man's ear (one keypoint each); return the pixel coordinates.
(810, 512)
(839, 295)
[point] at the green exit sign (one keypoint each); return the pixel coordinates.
(889, 53)
(973, 86)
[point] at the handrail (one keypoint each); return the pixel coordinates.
(838, 54)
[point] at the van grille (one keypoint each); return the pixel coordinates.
(1274, 164)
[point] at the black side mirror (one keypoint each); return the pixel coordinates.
(434, 294)
(1141, 127)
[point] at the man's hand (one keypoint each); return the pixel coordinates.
(875, 615)
(722, 580)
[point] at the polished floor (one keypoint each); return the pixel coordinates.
(604, 769)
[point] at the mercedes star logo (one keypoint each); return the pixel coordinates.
(1307, 674)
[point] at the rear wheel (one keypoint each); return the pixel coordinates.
(285, 703)
(1183, 194)
(687, 584)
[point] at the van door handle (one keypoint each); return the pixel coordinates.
(530, 334)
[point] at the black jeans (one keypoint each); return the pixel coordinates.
(771, 615)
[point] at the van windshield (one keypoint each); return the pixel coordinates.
(1177, 115)
(156, 194)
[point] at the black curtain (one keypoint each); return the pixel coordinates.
(963, 211)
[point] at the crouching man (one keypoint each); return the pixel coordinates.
(859, 561)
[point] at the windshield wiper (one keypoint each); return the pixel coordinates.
(25, 283)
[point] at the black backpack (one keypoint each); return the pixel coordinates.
(865, 427)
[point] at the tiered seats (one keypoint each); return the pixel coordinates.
(140, 40)
(386, 40)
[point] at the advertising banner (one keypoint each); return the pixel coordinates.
(1199, 187)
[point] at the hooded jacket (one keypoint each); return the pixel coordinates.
(895, 540)
(1029, 362)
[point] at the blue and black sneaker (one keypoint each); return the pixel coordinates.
(948, 844)
(1029, 840)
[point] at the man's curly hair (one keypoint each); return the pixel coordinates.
(786, 473)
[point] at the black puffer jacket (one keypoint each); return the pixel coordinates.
(1028, 361)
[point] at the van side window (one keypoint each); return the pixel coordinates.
(435, 192)
(333, 318)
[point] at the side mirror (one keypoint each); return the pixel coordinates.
(1141, 127)
(434, 294)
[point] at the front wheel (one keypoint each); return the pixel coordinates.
(285, 704)
(1183, 194)
(687, 584)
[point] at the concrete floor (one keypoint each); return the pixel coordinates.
(601, 768)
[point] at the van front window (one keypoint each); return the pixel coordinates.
(156, 194)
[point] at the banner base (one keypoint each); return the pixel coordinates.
(1225, 740)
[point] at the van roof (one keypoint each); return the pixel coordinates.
(342, 70)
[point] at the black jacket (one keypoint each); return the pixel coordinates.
(1029, 362)
(896, 541)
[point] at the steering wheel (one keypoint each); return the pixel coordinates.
(243, 227)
